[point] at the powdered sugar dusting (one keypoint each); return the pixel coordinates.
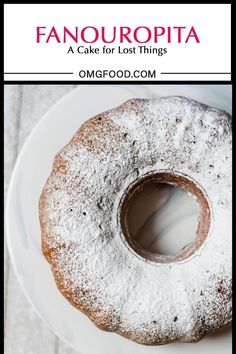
(119, 290)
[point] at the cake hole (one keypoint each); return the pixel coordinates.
(165, 217)
(84, 213)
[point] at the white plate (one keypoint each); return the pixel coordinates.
(30, 173)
